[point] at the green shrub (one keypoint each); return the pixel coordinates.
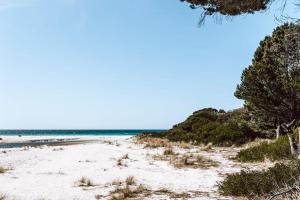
(214, 126)
(259, 183)
(277, 150)
(231, 133)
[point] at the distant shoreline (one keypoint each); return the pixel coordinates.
(15, 141)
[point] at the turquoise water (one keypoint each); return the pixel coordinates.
(74, 132)
(62, 133)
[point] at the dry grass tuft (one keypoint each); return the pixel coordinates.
(58, 149)
(154, 142)
(169, 151)
(107, 142)
(295, 196)
(128, 190)
(207, 147)
(117, 182)
(125, 157)
(130, 180)
(151, 142)
(120, 161)
(99, 197)
(84, 182)
(186, 160)
(193, 161)
(171, 194)
(3, 170)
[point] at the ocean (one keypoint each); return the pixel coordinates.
(74, 132)
(62, 133)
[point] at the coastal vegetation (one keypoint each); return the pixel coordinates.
(271, 150)
(3, 170)
(130, 189)
(127, 189)
(121, 160)
(214, 126)
(84, 182)
(186, 160)
(156, 140)
(270, 88)
(261, 183)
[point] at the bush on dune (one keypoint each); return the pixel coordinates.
(213, 126)
(260, 183)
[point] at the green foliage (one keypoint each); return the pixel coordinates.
(270, 86)
(278, 150)
(212, 126)
(259, 183)
(229, 7)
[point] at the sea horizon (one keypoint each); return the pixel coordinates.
(75, 132)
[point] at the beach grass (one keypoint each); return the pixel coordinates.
(84, 182)
(3, 170)
(2, 197)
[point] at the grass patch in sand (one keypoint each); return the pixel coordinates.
(120, 161)
(171, 194)
(191, 160)
(128, 189)
(186, 160)
(3, 170)
(169, 151)
(84, 182)
(130, 180)
(152, 142)
(109, 142)
(58, 149)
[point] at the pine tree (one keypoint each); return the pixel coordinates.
(271, 85)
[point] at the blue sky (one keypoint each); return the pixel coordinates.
(102, 64)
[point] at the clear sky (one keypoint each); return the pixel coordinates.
(103, 64)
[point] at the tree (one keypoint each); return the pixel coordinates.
(271, 85)
(231, 7)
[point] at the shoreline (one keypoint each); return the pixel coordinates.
(8, 142)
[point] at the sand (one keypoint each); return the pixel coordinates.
(51, 172)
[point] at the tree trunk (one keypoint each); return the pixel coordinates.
(277, 132)
(291, 143)
(299, 136)
(298, 145)
(288, 129)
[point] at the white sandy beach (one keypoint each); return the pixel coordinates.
(51, 172)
